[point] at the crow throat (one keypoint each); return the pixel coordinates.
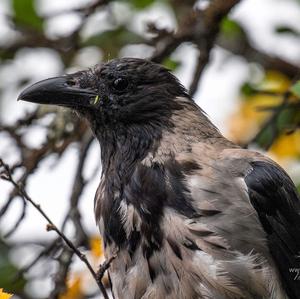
(125, 181)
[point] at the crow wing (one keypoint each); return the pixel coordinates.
(275, 199)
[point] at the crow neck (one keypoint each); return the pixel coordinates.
(125, 146)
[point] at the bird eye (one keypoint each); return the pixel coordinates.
(120, 84)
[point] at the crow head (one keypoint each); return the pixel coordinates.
(135, 108)
(118, 93)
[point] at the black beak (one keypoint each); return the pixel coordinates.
(62, 91)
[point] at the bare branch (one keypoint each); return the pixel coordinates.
(74, 216)
(242, 46)
(201, 63)
(60, 277)
(19, 220)
(85, 10)
(6, 175)
(53, 246)
(199, 27)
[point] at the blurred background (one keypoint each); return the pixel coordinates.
(239, 59)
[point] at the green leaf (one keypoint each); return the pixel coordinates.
(286, 30)
(231, 28)
(265, 138)
(25, 14)
(295, 89)
(248, 90)
(141, 4)
(10, 281)
(112, 41)
(171, 64)
(286, 119)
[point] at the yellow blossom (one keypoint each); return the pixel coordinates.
(287, 146)
(4, 295)
(96, 246)
(74, 290)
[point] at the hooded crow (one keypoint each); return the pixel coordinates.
(188, 213)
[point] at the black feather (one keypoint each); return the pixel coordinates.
(274, 197)
(175, 248)
(150, 192)
(190, 244)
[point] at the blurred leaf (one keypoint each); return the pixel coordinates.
(112, 41)
(248, 119)
(9, 279)
(295, 89)
(286, 30)
(287, 145)
(171, 64)
(231, 28)
(265, 138)
(248, 90)
(4, 295)
(256, 109)
(25, 14)
(74, 290)
(286, 119)
(140, 4)
(96, 246)
(275, 81)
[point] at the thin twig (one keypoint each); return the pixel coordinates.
(242, 46)
(82, 10)
(60, 278)
(6, 175)
(103, 267)
(19, 221)
(74, 216)
(200, 28)
(45, 252)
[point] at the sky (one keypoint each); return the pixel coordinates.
(217, 93)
